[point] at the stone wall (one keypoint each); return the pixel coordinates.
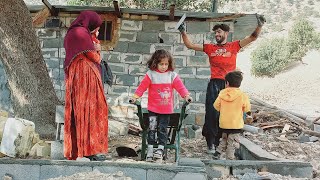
(137, 40)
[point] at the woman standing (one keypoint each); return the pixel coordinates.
(86, 110)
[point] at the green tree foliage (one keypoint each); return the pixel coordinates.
(270, 58)
(300, 38)
(274, 55)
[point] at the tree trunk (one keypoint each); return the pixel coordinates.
(32, 93)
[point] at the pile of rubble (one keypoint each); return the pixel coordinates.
(18, 139)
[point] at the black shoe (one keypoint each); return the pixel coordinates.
(99, 157)
(216, 155)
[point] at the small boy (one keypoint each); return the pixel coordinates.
(231, 103)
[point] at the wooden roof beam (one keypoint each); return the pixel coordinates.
(171, 13)
(117, 9)
(53, 10)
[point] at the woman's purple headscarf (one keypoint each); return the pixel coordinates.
(78, 38)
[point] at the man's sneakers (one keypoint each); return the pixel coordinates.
(210, 151)
(216, 155)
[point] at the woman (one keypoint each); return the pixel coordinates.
(86, 110)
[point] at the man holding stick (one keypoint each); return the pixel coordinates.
(222, 57)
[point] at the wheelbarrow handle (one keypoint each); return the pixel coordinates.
(186, 103)
(135, 103)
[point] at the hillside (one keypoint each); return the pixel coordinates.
(297, 88)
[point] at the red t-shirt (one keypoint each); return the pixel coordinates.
(222, 58)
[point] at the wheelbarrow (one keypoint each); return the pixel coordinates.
(173, 129)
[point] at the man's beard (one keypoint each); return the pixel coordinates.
(222, 38)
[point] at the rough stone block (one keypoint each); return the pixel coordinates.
(196, 84)
(132, 113)
(218, 171)
(59, 114)
(196, 108)
(118, 111)
(56, 73)
(186, 72)
(137, 70)
(170, 27)
(145, 58)
(192, 133)
(148, 37)
(127, 80)
(180, 61)
(193, 162)
(118, 128)
(152, 26)
(195, 38)
(131, 25)
(156, 174)
(49, 52)
(46, 33)
(52, 63)
(134, 173)
(61, 53)
(20, 172)
(127, 36)
(53, 171)
(113, 57)
(170, 38)
(119, 68)
(121, 46)
(120, 90)
(155, 47)
(53, 43)
(131, 58)
(200, 97)
(190, 176)
(198, 27)
(190, 119)
(198, 61)
(181, 49)
(139, 47)
(203, 72)
(200, 119)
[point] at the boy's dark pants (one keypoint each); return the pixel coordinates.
(211, 130)
(161, 122)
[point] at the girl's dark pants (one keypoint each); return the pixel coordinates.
(211, 130)
(162, 124)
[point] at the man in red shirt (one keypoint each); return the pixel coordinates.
(222, 57)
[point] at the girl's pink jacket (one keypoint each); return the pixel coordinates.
(160, 90)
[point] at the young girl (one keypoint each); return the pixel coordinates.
(160, 81)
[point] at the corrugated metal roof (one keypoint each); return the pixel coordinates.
(177, 13)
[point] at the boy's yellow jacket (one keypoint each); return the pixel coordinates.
(232, 103)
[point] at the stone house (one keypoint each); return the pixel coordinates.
(129, 37)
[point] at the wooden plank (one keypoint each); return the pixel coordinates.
(285, 129)
(52, 9)
(171, 14)
(117, 9)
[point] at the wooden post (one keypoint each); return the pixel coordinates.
(171, 15)
(53, 10)
(117, 9)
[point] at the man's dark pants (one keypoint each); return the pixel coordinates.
(211, 130)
